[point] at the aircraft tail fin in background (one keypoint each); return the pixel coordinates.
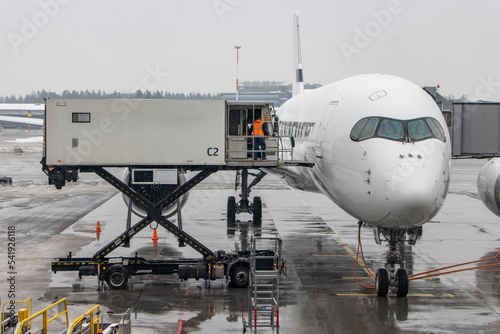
(298, 84)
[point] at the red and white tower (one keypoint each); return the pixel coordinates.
(237, 62)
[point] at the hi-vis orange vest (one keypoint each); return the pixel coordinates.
(257, 128)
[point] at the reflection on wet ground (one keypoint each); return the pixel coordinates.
(319, 293)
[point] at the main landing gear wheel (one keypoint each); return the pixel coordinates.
(402, 282)
(231, 211)
(382, 282)
(117, 277)
(257, 210)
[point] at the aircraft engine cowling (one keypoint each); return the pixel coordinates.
(154, 193)
(488, 185)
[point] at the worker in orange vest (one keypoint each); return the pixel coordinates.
(259, 143)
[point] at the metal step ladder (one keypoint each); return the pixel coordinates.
(264, 285)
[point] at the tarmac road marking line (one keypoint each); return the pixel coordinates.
(368, 277)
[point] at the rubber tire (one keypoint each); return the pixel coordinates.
(240, 275)
(257, 210)
(382, 282)
(117, 277)
(231, 211)
(402, 282)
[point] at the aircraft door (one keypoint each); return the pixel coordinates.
(323, 126)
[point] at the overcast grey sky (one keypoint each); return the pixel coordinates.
(188, 46)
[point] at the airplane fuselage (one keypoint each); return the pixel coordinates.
(380, 147)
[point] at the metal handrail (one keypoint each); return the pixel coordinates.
(88, 316)
(29, 305)
(281, 150)
(45, 320)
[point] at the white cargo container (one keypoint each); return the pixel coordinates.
(135, 132)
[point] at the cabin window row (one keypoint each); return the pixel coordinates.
(296, 129)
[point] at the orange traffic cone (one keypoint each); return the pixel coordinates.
(98, 235)
(155, 236)
(98, 227)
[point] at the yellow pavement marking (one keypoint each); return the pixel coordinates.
(358, 278)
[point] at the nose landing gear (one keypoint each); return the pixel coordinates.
(391, 278)
(244, 205)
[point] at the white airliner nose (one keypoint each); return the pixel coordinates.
(412, 191)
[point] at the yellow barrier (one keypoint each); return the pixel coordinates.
(88, 316)
(29, 307)
(62, 309)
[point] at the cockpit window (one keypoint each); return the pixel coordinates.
(418, 130)
(358, 127)
(391, 129)
(436, 128)
(368, 129)
(398, 130)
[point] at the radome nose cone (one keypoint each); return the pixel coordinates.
(412, 192)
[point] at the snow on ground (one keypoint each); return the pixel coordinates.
(26, 140)
(21, 141)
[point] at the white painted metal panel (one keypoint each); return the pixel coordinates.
(166, 176)
(135, 132)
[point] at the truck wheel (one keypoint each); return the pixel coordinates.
(240, 276)
(257, 210)
(231, 211)
(117, 277)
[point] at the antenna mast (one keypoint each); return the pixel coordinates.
(237, 62)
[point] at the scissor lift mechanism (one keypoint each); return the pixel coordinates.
(116, 271)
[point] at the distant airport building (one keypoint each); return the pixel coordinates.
(35, 110)
(264, 91)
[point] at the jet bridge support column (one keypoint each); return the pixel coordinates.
(154, 211)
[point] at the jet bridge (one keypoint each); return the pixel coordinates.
(157, 141)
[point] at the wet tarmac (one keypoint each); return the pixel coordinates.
(319, 293)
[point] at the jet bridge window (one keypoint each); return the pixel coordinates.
(398, 130)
